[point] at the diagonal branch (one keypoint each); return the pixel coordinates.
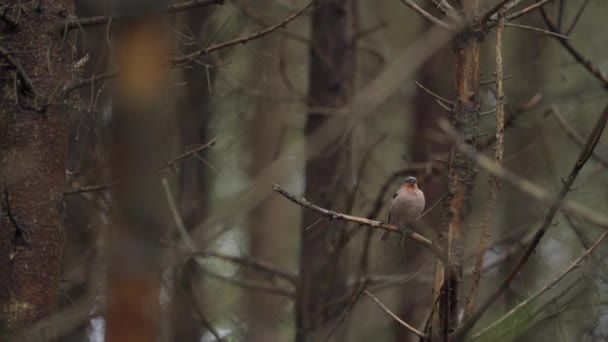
(241, 40)
(527, 10)
(395, 317)
(545, 288)
(444, 7)
(588, 64)
(182, 60)
(426, 15)
(20, 71)
(571, 132)
(557, 203)
(171, 163)
(103, 19)
(360, 220)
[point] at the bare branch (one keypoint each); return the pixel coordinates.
(590, 66)
(390, 313)
(545, 288)
(20, 71)
(191, 245)
(537, 30)
(360, 220)
(528, 9)
(182, 60)
(444, 7)
(577, 17)
(485, 18)
(534, 190)
(103, 19)
(241, 40)
(426, 15)
(171, 163)
(574, 134)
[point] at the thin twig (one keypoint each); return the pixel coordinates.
(241, 40)
(537, 30)
(182, 60)
(435, 95)
(20, 71)
(75, 23)
(485, 18)
(191, 245)
(590, 66)
(528, 9)
(489, 217)
(254, 264)
(556, 203)
(444, 7)
(574, 134)
(426, 15)
(360, 220)
(577, 17)
(106, 186)
(395, 317)
(545, 288)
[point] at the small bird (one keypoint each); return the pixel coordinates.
(407, 205)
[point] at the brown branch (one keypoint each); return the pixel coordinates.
(577, 17)
(485, 18)
(109, 185)
(545, 288)
(255, 264)
(444, 7)
(395, 317)
(426, 15)
(490, 213)
(75, 23)
(537, 30)
(241, 40)
(588, 64)
(528, 9)
(532, 189)
(191, 246)
(182, 60)
(20, 71)
(360, 220)
(435, 95)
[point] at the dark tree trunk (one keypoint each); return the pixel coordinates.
(327, 176)
(433, 76)
(33, 144)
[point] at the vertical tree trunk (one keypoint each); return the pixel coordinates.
(271, 219)
(328, 176)
(33, 145)
(433, 76)
(461, 176)
(133, 308)
(192, 121)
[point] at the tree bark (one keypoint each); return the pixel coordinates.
(328, 176)
(33, 155)
(461, 176)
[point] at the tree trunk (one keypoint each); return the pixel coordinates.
(461, 177)
(35, 63)
(328, 176)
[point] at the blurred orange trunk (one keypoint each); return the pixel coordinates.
(133, 312)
